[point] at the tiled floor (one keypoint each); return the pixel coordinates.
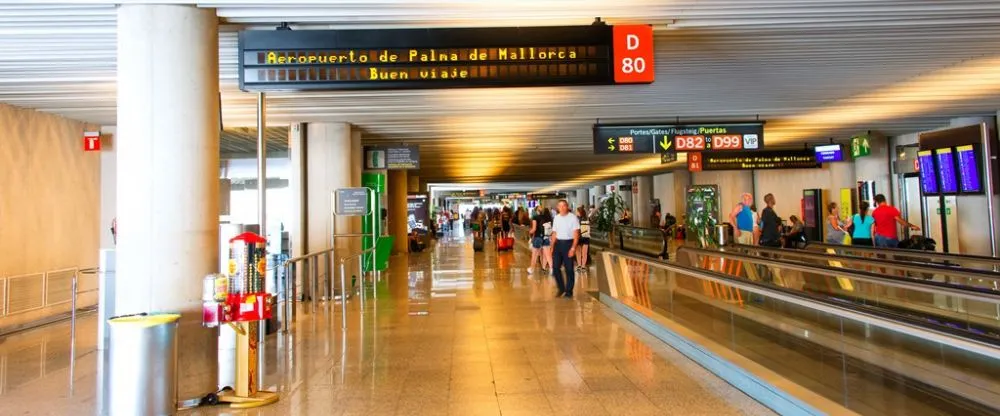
(449, 333)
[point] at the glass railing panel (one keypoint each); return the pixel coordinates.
(869, 365)
(951, 308)
(648, 241)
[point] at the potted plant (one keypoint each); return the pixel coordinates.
(607, 215)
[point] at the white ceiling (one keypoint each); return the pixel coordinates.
(814, 69)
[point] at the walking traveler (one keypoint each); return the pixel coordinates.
(565, 237)
(584, 244)
(886, 217)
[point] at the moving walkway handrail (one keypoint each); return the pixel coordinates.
(943, 257)
(621, 231)
(970, 293)
(915, 267)
(763, 289)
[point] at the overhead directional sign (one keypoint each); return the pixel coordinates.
(674, 138)
(861, 146)
(297, 60)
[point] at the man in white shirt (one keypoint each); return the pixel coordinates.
(565, 236)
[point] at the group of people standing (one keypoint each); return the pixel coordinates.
(877, 228)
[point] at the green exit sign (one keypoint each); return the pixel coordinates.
(861, 146)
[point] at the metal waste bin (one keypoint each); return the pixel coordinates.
(142, 365)
(724, 234)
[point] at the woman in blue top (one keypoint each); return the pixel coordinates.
(863, 224)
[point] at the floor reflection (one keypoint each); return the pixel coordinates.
(447, 331)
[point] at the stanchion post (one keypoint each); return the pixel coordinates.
(343, 296)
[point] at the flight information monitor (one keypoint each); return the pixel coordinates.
(297, 60)
(947, 178)
(970, 178)
(928, 175)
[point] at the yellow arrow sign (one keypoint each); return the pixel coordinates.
(611, 140)
(666, 144)
(611, 147)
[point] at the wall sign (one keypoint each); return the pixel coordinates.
(91, 141)
(694, 162)
(775, 159)
(861, 146)
(351, 202)
(400, 157)
(674, 138)
(298, 60)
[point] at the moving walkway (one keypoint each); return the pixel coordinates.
(911, 256)
(804, 338)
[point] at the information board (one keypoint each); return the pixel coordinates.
(350, 202)
(947, 178)
(297, 60)
(829, 153)
(970, 177)
(928, 174)
(775, 159)
(673, 138)
(399, 157)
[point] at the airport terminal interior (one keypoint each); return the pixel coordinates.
(544, 207)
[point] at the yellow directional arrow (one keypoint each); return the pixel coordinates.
(611, 147)
(666, 144)
(611, 140)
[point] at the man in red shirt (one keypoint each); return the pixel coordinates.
(886, 217)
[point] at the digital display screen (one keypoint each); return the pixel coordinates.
(677, 138)
(928, 175)
(829, 153)
(300, 60)
(948, 178)
(968, 168)
(775, 159)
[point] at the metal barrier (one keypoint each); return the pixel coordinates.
(289, 294)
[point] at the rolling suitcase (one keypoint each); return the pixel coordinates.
(477, 244)
(505, 243)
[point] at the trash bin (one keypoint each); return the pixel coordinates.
(724, 234)
(142, 365)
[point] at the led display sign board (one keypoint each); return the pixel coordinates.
(775, 159)
(300, 60)
(674, 138)
(829, 153)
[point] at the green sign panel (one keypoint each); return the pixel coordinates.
(861, 146)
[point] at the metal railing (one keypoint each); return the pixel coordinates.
(312, 277)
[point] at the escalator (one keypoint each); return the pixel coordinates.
(784, 323)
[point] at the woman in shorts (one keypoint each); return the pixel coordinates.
(539, 241)
(583, 247)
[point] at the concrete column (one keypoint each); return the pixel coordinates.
(583, 197)
(596, 192)
(642, 192)
(328, 167)
(297, 228)
(168, 159)
(109, 184)
(413, 183)
(397, 184)
(357, 166)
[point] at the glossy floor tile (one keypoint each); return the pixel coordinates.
(446, 332)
